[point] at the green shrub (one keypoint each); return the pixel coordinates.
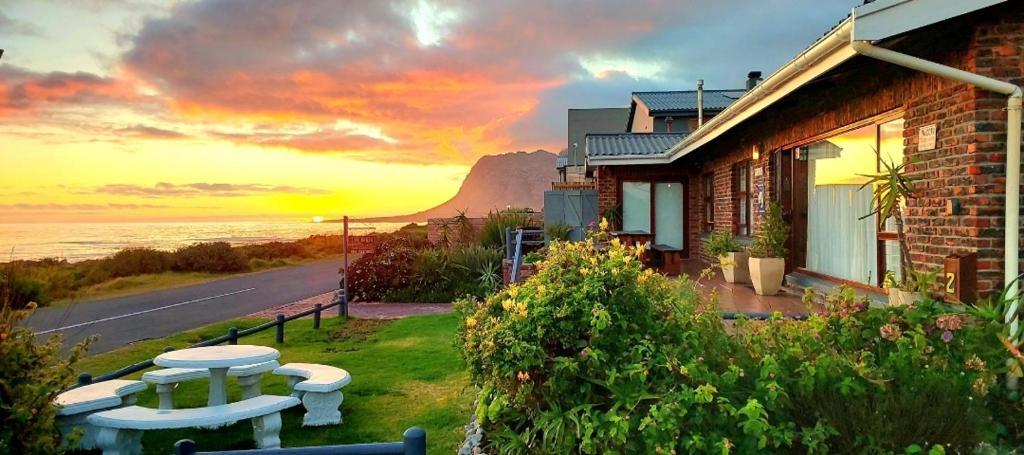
(722, 242)
(558, 232)
(32, 374)
(275, 250)
(770, 242)
(138, 261)
(216, 257)
(880, 380)
(596, 354)
(492, 235)
(386, 269)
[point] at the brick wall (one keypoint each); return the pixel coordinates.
(968, 162)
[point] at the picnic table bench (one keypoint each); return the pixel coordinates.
(319, 386)
(167, 379)
(75, 405)
(120, 430)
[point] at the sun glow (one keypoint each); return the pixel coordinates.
(318, 219)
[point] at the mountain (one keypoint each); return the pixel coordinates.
(495, 182)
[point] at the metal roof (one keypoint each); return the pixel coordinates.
(631, 144)
(686, 100)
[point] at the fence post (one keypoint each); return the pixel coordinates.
(184, 447)
(414, 441)
(233, 335)
(316, 315)
(84, 379)
(280, 329)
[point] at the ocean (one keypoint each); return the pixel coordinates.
(81, 241)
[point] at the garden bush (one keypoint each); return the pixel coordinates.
(275, 250)
(386, 269)
(138, 261)
(32, 374)
(215, 257)
(596, 354)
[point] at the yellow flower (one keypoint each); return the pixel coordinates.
(521, 309)
(615, 270)
(507, 304)
(584, 271)
(604, 224)
(523, 376)
(471, 322)
(616, 242)
(593, 261)
(513, 291)
(540, 289)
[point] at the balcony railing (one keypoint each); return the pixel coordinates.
(573, 186)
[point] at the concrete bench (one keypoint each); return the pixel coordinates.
(167, 379)
(320, 389)
(120, 430)
(75, 405)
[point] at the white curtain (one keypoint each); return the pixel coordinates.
(838, 243)
(636, 207)
(668, 214)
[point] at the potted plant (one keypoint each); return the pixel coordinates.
(767, 261)
(892, 188)
(731, 256)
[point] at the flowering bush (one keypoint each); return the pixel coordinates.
(389, 267)
(596, 354)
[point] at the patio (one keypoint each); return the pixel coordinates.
(740, 297)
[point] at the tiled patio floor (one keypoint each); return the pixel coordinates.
(740, 298)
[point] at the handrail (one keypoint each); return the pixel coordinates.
(517, 258)
(232, 337)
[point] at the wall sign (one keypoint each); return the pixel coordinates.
(926, 137)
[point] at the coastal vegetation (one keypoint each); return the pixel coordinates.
(597, 354)
(46, 281)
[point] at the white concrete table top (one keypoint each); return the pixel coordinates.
(217, 359)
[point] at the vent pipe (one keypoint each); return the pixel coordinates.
(753, 78)
(668, 124)
(700, 103)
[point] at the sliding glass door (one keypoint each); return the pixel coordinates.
(668, 214)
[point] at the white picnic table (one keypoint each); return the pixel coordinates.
(218, 359)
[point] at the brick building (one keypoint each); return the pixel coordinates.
(804, 136)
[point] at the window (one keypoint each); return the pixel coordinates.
(668, 214)
(636, 207)
(708, 200)
(744, 188)
(840, 241)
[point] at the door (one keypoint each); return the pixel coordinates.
(789, 173)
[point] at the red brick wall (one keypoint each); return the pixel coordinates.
(968, 162)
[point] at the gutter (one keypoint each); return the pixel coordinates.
(1011, 245)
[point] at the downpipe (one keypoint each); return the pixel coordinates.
(1011, 245)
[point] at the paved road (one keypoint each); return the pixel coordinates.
(161, 313)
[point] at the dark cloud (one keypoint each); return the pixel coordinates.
(150, 132)
(164, 189)
(24, 91)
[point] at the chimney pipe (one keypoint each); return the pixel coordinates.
(668, 123)
(753, 78)
(700, 103)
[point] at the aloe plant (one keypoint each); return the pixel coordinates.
(892, 187)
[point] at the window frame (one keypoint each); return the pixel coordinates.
(650, 202)
(707, 188)
(744, 197)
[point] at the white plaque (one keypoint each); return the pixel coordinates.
(926, 137)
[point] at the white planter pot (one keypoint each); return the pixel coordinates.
(766, 274)
(909, 298)
(734, 267)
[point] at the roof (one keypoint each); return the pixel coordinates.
(630, 144)
(686, 100)
(884, 18)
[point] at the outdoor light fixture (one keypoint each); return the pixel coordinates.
(756, 154)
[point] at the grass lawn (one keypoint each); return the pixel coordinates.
(139, 284)
(404, 373)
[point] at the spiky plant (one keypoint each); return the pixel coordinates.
(892, 187)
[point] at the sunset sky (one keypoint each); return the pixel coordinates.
(232, 109)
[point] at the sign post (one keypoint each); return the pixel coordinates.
(343, 307)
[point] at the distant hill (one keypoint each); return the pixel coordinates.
(495, 182)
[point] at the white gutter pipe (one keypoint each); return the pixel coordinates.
(1011, 244)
